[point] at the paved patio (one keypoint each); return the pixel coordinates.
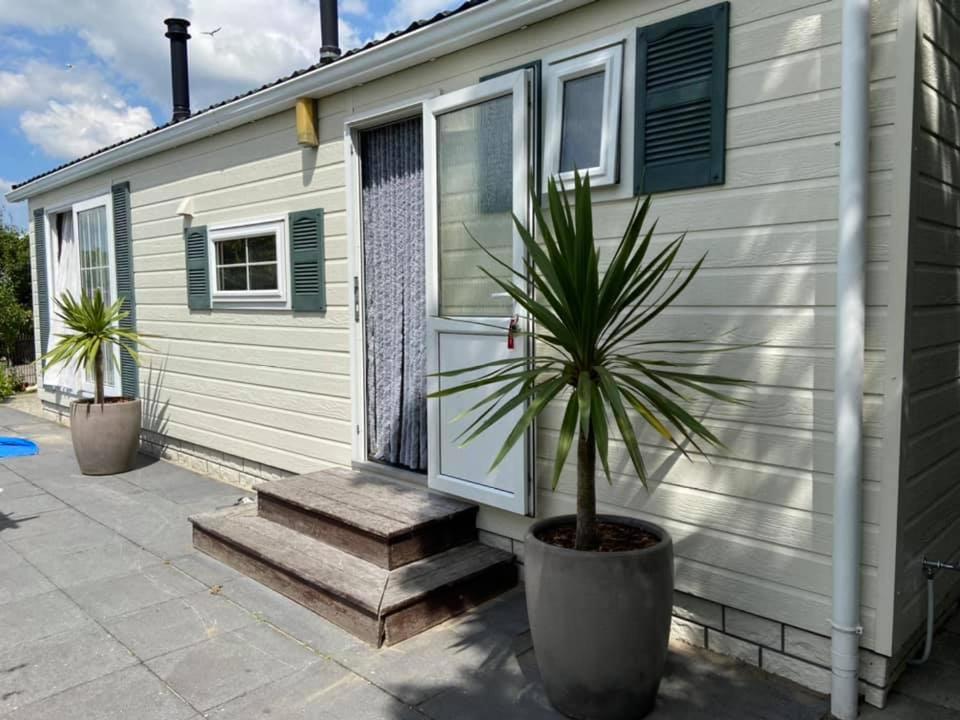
(106, 612)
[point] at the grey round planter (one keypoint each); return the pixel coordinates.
(600, 622)
(105, 437)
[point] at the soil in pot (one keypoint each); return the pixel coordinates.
(614, 537)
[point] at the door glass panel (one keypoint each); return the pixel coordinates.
(95, 266)
(475, 204)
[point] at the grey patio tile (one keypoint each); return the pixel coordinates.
(934, 683)
(22, 581)
(29, 506)
(901, 707)
(294, 619)
(218, 670)
(8, 556)
(123, 695)
(177, 623)
(103, 599)
(77, 491)
(16, 489)
(71, 532)
(304, 695)
(166, 536)
(114, 557)
(204, 568)
(38, 617)
(431, 662)
(56, 521)
(37, 670)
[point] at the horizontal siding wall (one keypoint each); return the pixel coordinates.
(930, 494)
(753, 526)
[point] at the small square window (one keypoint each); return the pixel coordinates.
(583, 115)
(248, 264)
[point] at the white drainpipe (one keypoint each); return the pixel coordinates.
(848, 381)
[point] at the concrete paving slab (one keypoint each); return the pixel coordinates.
(73, 532)
(8, 556)
(37, 670)
(303, 695)
(17, 489)
(205, 569)
(34, 618)
(305, 625)
(219, 670)
(22, 581)
(57, 521)
(901, 707)
(178, 623)
(115, 557)
(131, 693)
(79, 490)
(105, 599)
(29, 505)
(933, 683)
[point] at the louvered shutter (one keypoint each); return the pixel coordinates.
(682, 101)
(198, 271)
(307, 281)
(43, 296)
(123, 254)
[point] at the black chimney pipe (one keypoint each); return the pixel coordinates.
(177, 32)
(329, 32)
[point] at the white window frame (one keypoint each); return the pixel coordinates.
(104, 200)
(251, 299)
(572, 65)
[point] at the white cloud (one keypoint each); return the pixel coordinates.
(355, 7)
(406, 11)
(70, 130)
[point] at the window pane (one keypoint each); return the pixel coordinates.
(474, 205)
(582, 123)
(263, 277)
(232, 278)
(231, 252)
(94, 252)
(262, 249)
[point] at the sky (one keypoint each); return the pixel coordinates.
(77, 76)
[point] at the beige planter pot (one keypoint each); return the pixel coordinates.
(105, 437)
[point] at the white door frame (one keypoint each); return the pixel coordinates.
(517, 85)
(374, 117)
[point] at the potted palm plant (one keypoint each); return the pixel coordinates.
(599, 587)
(105, 430)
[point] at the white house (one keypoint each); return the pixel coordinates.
(294, 293)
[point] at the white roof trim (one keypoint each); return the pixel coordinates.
(454, 33)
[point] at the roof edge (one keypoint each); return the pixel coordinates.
(456, 32)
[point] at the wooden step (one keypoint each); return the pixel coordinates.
(377, 605)
(381, 521)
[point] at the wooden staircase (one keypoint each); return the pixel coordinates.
(382, 560)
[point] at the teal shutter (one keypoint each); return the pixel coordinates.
(43, 293)
(123, 254)
(682, 101)
(307, 281)
(198, 270)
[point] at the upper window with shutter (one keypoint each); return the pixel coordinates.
(681, 101)
(583, 91)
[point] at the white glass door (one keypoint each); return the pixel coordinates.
(476, 151)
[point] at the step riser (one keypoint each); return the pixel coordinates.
(449, 602)
(388, 553)
(404, 622)
(332, 608)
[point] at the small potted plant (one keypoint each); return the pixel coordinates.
(599, 587)
(105, 430)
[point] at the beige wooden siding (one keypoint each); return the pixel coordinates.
(753, 526)
(930, 493)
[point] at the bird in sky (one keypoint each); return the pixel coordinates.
(69, 66)
(211, 33)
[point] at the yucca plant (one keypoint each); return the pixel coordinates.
(588, 321)
(94, 328)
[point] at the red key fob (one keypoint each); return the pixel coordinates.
(514, 322)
